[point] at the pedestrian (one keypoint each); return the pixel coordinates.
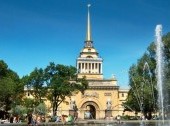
(29, 119)
(34, 120)
(11, 118)
(118, 119)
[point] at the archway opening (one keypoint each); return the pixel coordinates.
(90, 113)
(90, 109)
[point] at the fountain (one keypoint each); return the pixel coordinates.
(160, 82)
(147, 67)
(159, 69)
(160, 77)
(139, 92)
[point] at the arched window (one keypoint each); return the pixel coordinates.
(89, 57)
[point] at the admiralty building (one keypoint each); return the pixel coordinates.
(104, 97)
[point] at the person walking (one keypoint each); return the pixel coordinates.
(118, 119)
(30, 119)
(11, 118)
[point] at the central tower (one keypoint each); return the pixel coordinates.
(89, 63)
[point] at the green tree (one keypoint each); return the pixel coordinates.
(41, 109)
(36, 81)
(3, 69)
(10, 87)
(166, 88)
(142, 80)
(142, 95)
(19, 110)
(29, 103)
(18, 88)
(62, 82)
(7, 92)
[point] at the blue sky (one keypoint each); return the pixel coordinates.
(36, 32)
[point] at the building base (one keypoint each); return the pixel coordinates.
(108, 113)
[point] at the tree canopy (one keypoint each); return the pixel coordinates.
(11, 87)
(143, 94)
(62, 82)
(55, 82)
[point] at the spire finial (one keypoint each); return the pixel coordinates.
(88, 5)
(88, 36)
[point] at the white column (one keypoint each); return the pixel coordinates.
(78, 66)
(99, 68)
(81, 67)
(87, 68)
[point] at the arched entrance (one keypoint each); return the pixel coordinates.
(90, 110)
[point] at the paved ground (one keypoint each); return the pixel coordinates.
(94, 123)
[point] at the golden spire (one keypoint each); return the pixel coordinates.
(88, 35)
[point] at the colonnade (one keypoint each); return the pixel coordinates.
(86, 67)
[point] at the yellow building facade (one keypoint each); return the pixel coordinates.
(104, 97)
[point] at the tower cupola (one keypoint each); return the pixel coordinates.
(89, 63)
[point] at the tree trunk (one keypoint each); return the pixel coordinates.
(54, 106)
(149, 116)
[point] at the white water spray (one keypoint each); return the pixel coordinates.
(160, 68)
